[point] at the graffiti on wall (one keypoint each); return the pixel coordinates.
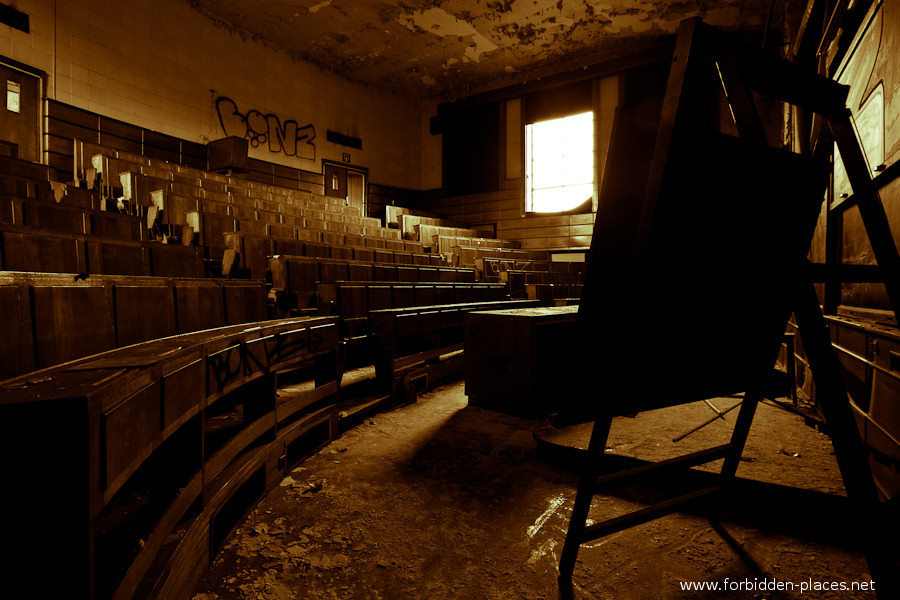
(267, 129)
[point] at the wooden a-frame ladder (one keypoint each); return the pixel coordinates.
(741, 69)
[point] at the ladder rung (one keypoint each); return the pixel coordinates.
(643, 515)
(688, 460)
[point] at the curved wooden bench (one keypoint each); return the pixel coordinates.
(131, 467)
(55, 318)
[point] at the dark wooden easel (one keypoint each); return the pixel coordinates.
(632, 248)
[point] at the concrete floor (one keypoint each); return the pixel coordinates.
(444, 500)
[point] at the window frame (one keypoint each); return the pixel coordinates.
(527, 195)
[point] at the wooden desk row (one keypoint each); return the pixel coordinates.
(211, 227)
(549, 294)
(351, 301)
(69, 218)
(444, 241)
(297, 277)
(468, 256)
(56, 318)
(519, 279)
(133, 466)
(409, 225)
(138, 177)
(253, 250)
(34, 250)
(168, 196)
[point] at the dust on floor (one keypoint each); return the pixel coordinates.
(444, 500)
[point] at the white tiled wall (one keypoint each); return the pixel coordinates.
(159, 64)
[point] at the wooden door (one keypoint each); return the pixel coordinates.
(20, 115)
(348, 183)
(356, 190)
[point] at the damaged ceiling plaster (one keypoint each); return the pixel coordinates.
(452, 48)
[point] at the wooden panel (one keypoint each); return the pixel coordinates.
(126, 144)
(223, 368)
(381, 272)
(127, 432)
(175, 261)
(194, 151)
(380, 297)
(182, 390)
(333, 271)
(162, 141)
(359, 272)
(71, 131)
(302, 275)
(322, 337)
(116, 258)
(403, 296)
(245, 304)
(424, 295)
(342, 252)
(289, 247)
(70, 114)
(409, 274)
(17, 349)
(144, 313)
(55, 217)
(366, 254)
(71, 322)
(26, 251)
(199, 307)
(316, 249)
(116, 225)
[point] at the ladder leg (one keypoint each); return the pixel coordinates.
(849, 450)
(596, 449)
(739, 436)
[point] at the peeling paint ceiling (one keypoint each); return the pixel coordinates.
(447, 49)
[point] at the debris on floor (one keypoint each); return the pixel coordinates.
(444, 500)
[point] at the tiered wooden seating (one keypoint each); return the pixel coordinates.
(49, 227)
(352, 300)
(428, 233)
(252, 251)
(393, 214)
(296, 278)
(445, 240)
(136, 464)
(216, 208)
(494, 269)
(64, 317)
(546, 286)
(32, 250)
(468, 256)
(543, 280)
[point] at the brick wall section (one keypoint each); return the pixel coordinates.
(159, 65)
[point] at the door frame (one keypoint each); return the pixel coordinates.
(41, 77)
(344, 169)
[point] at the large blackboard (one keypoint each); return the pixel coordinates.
(686, 294)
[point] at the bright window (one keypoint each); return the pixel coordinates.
(559, 163)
